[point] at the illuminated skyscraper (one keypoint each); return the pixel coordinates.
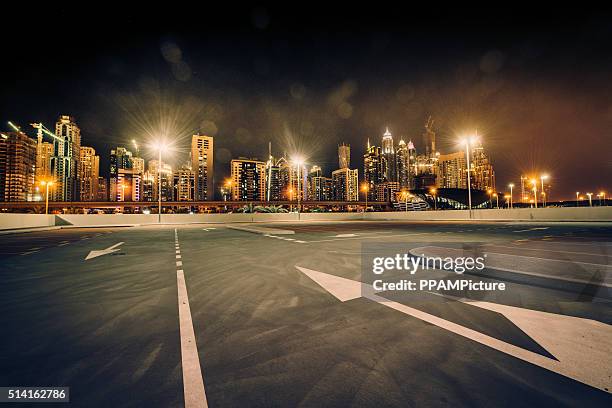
(429, 138)
(44, 153)
(483, 175)
(17, 167)
(373, 172)
(64, 163)
(128, 186)
(402, 156)
(89, 170)
(167, 191)
(203, 166)
(102, 193)
(120, 159)
(345, 185)
(452, 170)
(344, 156)
(388, 157)
(248, 179)
(184, 184)
(412, 165)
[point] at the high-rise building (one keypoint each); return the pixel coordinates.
(373, 172)
(273, 183)
(138, 165)
(248, 179)
(17, 167)
(44, 153)
(386, 192)
(388, 157)
(314, 173)
(321, 188)
(345, 185)
(120, 159)
(128, 185)
(483, 175)
(64, 163)
(402, 156)
(288, 179)
(167, 190)
(451, 171)
(429, 138)
(102, 193)
(147, 191)
(344, 156)
(203, 166)
(89, 171)
(412, 165)
(184, 184)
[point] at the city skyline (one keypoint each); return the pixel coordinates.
(538, 96)
(402, 168)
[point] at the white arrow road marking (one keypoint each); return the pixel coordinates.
(581, 346)
(109, 250)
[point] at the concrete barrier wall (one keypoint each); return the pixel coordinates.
(16, 221)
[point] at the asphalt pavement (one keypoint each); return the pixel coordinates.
(270, 329)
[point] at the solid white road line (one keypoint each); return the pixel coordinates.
(193, 382)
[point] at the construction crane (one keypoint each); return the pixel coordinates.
(41, 129)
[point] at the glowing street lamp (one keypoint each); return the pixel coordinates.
(577, 197)
(590, 200)
(490, 192)
(433, 192)
(511, 185)
(228, 185)
(365, 188)
(603, 195)
(46, 183)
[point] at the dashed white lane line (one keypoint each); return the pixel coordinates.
(532, 229)
(193, 383)
(178, 257)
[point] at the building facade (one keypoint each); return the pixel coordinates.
(17, 167)
(202, 165)
(345, 185)
(89, 171)
(248, 179)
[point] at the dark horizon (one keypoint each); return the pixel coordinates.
(535, 84)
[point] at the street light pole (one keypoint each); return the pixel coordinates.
(467, 148)
(298, 190)
(543, 191)
(511, 185)
(47, 184)
(577, 196)
(535, 192)
(159, 199)
(590, 201)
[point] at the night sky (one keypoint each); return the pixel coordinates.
(535, 83)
